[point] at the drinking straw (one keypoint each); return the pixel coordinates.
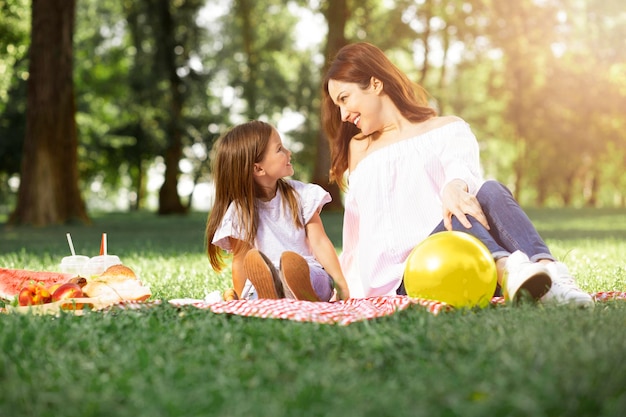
(102, 245)
(69, 241)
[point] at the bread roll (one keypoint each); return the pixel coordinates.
(117, 283)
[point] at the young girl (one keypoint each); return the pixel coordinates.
(270, 224)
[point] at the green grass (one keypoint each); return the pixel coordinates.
(163, 361)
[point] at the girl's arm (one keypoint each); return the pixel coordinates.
(240, 249)
(325, 253)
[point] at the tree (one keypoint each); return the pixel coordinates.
(135, 86)
(562, 102)
(336, 13)
(257, 59)
(14, 28)
(167, 42)
(49, 190)
(14, 38)
(264, 76)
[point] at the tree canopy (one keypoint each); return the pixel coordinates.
(543, 84)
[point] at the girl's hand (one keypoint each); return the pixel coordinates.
(341, 291)
(325, 253)
(456, 201)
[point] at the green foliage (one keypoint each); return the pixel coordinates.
(541, 83)
(164, 361)
(125, 92)
(14, 41)
(549, 50)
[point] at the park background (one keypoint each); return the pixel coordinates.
(114, 106)
(108, 112)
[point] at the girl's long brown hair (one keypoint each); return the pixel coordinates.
(358, 63)
(235, 154)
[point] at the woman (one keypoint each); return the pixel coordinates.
(411, 174)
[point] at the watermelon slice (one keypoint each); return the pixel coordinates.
(12, 280)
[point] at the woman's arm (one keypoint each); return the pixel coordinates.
(460, 157)
(325, 253)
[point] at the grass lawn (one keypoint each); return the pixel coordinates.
(165, 361)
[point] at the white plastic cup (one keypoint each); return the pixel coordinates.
(98, 264)
(74, 264)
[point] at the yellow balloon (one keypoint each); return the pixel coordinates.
(453, 267)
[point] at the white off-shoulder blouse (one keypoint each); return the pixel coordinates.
(393, 202)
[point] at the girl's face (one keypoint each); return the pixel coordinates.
(362, 107)
(276, 159)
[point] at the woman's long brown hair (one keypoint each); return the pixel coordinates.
(358, 63)
(235, 154)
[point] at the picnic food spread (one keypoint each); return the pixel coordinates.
(85, 282)
(47, 292)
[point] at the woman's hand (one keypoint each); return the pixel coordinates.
(458, 202)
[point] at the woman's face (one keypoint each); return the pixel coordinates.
(358, 106)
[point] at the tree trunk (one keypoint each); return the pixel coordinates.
(169, 199)
(592, 187)
(336, 13)
(443, 91)
(428, 14)
(49, 192)
(245, 10)
(567, 193)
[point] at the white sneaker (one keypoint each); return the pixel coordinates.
(525, 277)
(564, 289)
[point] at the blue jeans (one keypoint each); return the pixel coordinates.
(511, 229)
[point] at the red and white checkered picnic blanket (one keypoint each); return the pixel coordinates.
(338, 312)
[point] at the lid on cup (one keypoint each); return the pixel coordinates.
(99, 264)
(75, 259)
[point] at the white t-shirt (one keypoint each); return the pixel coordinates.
(276, 232)
(394, 202)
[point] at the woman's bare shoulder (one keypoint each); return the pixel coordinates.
(440, 121)
(358, 150)
(429, 125)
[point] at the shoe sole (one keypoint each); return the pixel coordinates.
(296, 276)
(580, 304)
(534, 287)
(574, 302)
(259, 272)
